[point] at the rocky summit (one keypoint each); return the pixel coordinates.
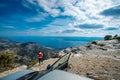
(99, 60)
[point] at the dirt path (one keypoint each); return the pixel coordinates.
(43, 64)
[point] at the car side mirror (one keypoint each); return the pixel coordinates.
(49, 66)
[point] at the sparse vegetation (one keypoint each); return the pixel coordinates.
(32, 63)
(118, 38)
(94, 42)
(56, 55)
(48, 55)
(6, 60)
(88, 46)
(114, 37)
(109, 37)
(101, 45)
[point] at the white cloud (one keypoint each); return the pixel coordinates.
(49, 6)
(10, 27)
(34, 19)
(41, 16)
(79, 9)
(83, 11)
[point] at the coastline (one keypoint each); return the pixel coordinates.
(56, 42)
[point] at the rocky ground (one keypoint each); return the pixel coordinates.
(99, 60)
(96, 67)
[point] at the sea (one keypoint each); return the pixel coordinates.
(55, 42)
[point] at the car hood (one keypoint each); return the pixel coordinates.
(62, 75)
(16, 75)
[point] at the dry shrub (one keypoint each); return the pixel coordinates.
(56, 55)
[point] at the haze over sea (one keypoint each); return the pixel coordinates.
(54, 41)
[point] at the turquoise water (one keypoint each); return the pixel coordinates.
(55, 42)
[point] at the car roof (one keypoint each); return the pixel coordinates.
(62, 75)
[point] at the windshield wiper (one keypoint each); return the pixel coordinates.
(29, 76)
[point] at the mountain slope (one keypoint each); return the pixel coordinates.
(24, 52)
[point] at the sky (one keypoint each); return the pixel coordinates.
(88, 18)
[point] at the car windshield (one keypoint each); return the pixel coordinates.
(60, 61)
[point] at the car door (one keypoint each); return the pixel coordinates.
(61, 63)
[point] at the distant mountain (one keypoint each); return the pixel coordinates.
(31, 49)
(24, 52)
(5, 43)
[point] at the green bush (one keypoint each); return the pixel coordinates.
(32, 63)
(48, 55)
(56, 55)
(88, 46)
(115, 37)
(94, 42)
(108, 37)
(101, 45)
(6, 60)
(118, 38)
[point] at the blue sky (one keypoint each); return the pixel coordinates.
(59, 17)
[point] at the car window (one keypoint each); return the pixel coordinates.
(60, 61)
